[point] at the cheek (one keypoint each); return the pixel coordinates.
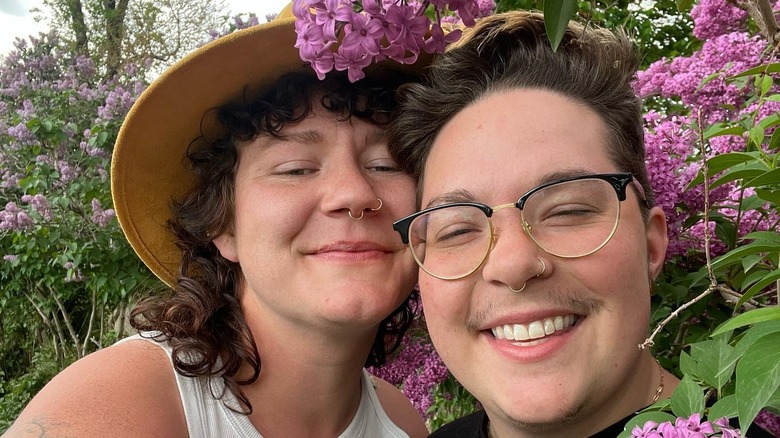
(401, 197)
(444, 307)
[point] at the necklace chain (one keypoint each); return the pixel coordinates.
(660, 388)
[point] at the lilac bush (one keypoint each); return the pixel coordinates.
(375, 30)
(65, 266)
(673, 156)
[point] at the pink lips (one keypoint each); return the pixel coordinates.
(352, 251)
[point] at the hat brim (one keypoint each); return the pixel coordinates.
(148, 168)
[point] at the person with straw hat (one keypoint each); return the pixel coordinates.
(264, 197)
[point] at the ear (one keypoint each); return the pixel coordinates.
(657, 241)
(226, 244)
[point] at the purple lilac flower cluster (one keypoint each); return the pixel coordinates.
(14, 218)
(691, 427)
(375, 30)
(716, 17)
(673, 157)
(100, 216)
(417, 369)
(40, 205)
(769, 421)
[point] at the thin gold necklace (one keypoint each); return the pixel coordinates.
(660, 388)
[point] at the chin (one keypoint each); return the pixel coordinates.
(537, 420)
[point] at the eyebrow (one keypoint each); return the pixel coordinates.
(314, 137)
(309, 136)
(462, 195)
(450, 197)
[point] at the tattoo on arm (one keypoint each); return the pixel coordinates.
(38, 427)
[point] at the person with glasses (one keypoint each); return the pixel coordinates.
(264, 198)
(538, 240)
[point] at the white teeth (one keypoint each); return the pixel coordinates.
(533, 330)
(536, 330)
(521, 332)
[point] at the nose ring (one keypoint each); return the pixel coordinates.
(543, 268)
(357, 218)
(517, 290)
(538, 274)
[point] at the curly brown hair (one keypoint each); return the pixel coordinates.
(201, 316)
(511, 50)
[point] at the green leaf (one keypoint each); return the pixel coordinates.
(102, 137)
(769, 121)
(640, 420)
(759, 286)
(772, 196)
(719, 129)
(750, 317)
(709, 78)
(726, 231)
(774, 140)
(557, 14)
(750, 261)
(737, 173)
(712, 358)
(751, 335)
(725, 407)
(757, 135)
(764, 236)
(766, 84)
(766, 68)
(688, 398)
(771, 177)
(758, 377)
(722, 162)
(736, 255)
(687, 365)
(774, 401)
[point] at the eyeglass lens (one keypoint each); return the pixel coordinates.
(568, 219)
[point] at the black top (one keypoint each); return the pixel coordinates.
(476, 426)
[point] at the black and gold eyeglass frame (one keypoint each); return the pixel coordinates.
(569, 218)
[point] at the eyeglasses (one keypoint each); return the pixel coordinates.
(567, 218)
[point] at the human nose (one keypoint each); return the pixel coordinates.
(514, 259)
(350, 192)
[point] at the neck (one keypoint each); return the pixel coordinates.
(310, 377)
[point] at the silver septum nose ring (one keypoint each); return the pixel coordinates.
(357, 218)
(538, 274)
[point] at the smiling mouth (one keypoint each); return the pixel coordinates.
(536, 330)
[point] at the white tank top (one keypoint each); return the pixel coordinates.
(208, 417)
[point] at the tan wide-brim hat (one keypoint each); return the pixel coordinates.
(149, 169)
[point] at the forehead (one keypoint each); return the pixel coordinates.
(509, 141)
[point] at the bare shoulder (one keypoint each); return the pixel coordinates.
(400, 409)
(128, 388)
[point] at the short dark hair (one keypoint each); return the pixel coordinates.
(511, 51)
(201, 316)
